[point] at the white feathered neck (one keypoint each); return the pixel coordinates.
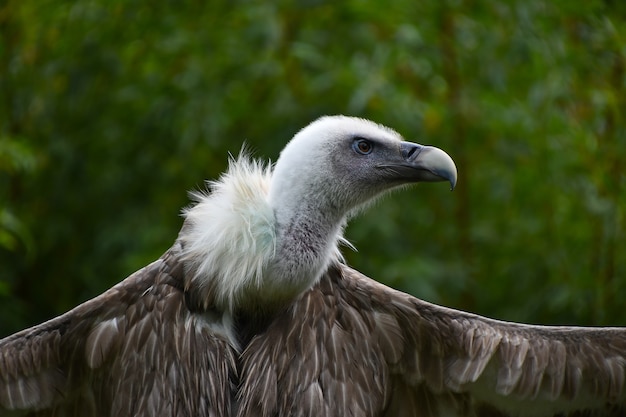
(232, 244)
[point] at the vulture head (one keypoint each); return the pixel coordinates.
(263, 235)
(336, 164)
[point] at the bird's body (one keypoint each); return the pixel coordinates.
(252, 313)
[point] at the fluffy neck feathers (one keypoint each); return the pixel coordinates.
(243, 251)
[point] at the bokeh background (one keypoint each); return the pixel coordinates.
(111, 110)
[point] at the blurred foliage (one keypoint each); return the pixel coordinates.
(111, 110)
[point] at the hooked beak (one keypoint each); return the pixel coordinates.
(423, 164)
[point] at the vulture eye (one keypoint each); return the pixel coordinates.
(362, 146)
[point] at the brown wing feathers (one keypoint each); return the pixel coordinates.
(27, 371)
(134, 350)
(499, 364)
(350, 345)
(541, 365)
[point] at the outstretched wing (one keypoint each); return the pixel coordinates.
(352, 346)
(134, 350)
(48, 365)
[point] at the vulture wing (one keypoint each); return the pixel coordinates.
(134, 350)
(352, 346)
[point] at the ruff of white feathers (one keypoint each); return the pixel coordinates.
(230, 237)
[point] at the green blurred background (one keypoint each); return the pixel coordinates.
(111, 110)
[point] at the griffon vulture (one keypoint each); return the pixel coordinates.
(253, 313)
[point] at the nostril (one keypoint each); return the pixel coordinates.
(409, 149)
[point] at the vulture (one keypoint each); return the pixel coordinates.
(253, 313)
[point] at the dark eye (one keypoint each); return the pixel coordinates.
(362, 146)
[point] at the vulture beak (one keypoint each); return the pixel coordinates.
(423, 164)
